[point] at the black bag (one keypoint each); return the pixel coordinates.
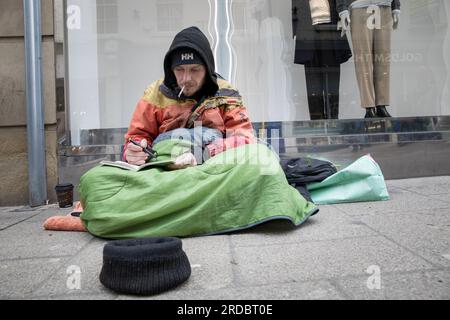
(301, 171)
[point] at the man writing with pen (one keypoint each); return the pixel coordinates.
(190, 83)
(239, 183)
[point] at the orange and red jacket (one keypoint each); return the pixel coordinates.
(157, 113)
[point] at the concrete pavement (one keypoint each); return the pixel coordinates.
(398, 249)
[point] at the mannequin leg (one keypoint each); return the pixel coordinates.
(333, 75)
(315, 91)
(371, 113)
(382, 51)
(362, 39)
(382, 112)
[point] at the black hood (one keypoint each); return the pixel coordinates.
(192, 38)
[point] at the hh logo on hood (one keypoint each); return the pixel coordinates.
(187, 56)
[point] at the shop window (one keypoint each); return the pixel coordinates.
(254, 48)
(169, 15)
(239, 10)
(107, 17)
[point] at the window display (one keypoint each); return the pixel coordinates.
(287, 57)
(371, 24)
(321, 49)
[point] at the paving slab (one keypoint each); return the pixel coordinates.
(11, 218)
(87, 264)
(24, 209)
(30, 240)
(428, 285)
(401, 201)
(211, 262)
(209, 257)
(271, 264)
(441, 197)
(314, 290)
(427, 235)
(407, 239)
(19, 278)
(424, 186)
(330, 223)
(51, 211)
(76, 297)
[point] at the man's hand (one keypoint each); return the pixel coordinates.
(344, 22)
(183, 161)
(135, 154)
(396, 18)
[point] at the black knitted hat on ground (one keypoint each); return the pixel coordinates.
(144, 266)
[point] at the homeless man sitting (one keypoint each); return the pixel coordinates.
(241, 183)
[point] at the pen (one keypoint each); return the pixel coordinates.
(152, 153)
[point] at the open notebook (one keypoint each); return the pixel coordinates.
(132, 167)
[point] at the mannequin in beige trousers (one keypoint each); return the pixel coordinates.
(371, 23)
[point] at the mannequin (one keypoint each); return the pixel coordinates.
(319, 47)
(270, 79)
(371, 23)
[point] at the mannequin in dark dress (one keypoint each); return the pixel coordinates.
(321, 49)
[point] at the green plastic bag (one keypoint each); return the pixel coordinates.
(360, 181)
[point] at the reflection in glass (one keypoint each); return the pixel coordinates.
(320, 47)
(116, 49)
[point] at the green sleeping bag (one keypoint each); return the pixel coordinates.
(236, 189)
